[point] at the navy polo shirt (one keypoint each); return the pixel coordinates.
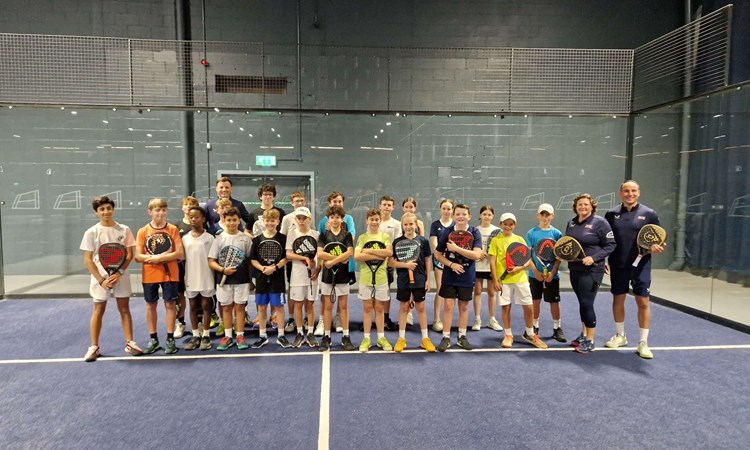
(596, 238)
(626, 224)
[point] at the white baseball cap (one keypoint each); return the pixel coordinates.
(302, 211)
(508, 216)
(546, 207)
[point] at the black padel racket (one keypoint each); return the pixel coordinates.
(649, 235)
(407, 250)
(463, 239)
(374, 264)
(306, 246)
(569, 249)
(231, 257)
(158, 243)
(545, 252)
(491, 237)
(270, 253)
(335, 249)
(516, 255)
(112, 256)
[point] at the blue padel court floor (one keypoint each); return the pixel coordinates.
(691, 395)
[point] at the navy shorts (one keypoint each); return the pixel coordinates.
(637, 277)
(464, 294)
(549, 291)
(404, 295)
(168, 291)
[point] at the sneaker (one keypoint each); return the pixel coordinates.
(241, 342)
(559, 335)
(205, 343)
(320, 328)
(337, 324)
(346, 342)
(92, 353)
(248, 322)
(298, 340)
(261, 341)
(153, 346)
(273, 323)
(437, 326)
(400, 345)
(224, 344)
(427, 345)
(586, 346)
(463, 342)
(536, 330)
(311, 341)
(325, 344)
(643, 350)
(256, 324)
(384, 344)
(444, 344)
(220, 330)
(577, 341)
(507, 341)
(283, 342)
(179, 330)
(494, 325)
(389, 325)
(194, 343)
(618, 340)
(132, 348)
(409, 318)
(214, 321)
(364, 347)
(171, 347)
(290, 327)
(534, 340)
(477, 324)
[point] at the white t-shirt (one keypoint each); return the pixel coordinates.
(299, 271)
(198, 276)
(484, 265)
(97, 235)
(391, 227)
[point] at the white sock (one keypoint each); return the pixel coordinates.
(300, 330)
(555, 324)
(620, 328)
(206, 333)
(425, 334)
(508, 332)
(536, 323)
(346, 332)
(461, 332)
(402, 334)
(228, 333)
(381, 335)
(197, 333)
(280, 332)
(447, 334)
(644, 334)
(529, 332)
(240, 333)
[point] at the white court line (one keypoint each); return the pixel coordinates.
(146, 358)
(325, 398)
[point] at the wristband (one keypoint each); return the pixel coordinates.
(101, 281)
(222, 270)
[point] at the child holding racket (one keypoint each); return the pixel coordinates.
(115, 281)
(488, 231)
(412, 261)
(458, 247)
(301, 247)
(373, 249)
(227, 258)
(335, 248)
(544, 281)
(515, 285)
(289, 223)
(158, 247)
(183, 224)
(199, 278)
(436, 229)
(268, 257)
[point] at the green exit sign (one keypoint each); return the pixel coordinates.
(265, 160)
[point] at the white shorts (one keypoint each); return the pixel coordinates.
(121, 290)
(379, 293)
(233, 293)
(301, 293)
(520, 292)
(206, 293)
(341, 289)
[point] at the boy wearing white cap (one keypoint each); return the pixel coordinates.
(303, 283)
(515, 285)
(547, 286)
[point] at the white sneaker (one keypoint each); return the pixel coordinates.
(179, 330)
(92, 353)
(618, 340)
(410, 318)
(494, 325)
(337, 324)
(437, 326)
(320, 328)
(643, 350)
(477, 324)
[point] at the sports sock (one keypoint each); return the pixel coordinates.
(425, 333)
(644, 334)
(536, 323)
(555, 324)
(402, 334)
(381, 335)
(620, 328)
(529, 332)
(170, 336)
(228, 333)
(447, 334)
(508, 332)
(154, 336)
(461, 332)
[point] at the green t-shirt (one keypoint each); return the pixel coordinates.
(365, 274)
(498, 246)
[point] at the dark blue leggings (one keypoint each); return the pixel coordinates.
(586, 285)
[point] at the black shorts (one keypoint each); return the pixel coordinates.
(404, 295)
(484, 276)
(464, 294)
(181, 282)
(550, 291)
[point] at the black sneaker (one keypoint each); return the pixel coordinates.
(464, 343)
(194, 343)
(444, 344)
(311, 341)
(281, 340)
(260, 342)
(536, 330)
(390, 326)
(153, 346)
(290, 326)
(346, 342)
(325, 344)
(559, 335)
(298, 340)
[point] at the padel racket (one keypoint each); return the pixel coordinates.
(545, 252)
(516, 255)
(407, 250)
(649, 235)
(158, 243)
(491, 237)
(306, 246)
(231, 257)
(374, 264)
(463, 239)
(335, 249)
(112, 256)
(270, 253)
(569, 249)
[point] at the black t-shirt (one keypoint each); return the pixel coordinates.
(275, 283)
(342, 272)
(257, 214)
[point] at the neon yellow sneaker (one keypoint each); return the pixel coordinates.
(364, 347)
(384, 344)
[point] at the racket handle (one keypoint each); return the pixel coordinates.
(502, 277)
(166, 270)
(223, 280)
(544, 271)
(637, 260)
(411, 277)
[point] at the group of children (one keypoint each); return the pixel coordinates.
(194, 269)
